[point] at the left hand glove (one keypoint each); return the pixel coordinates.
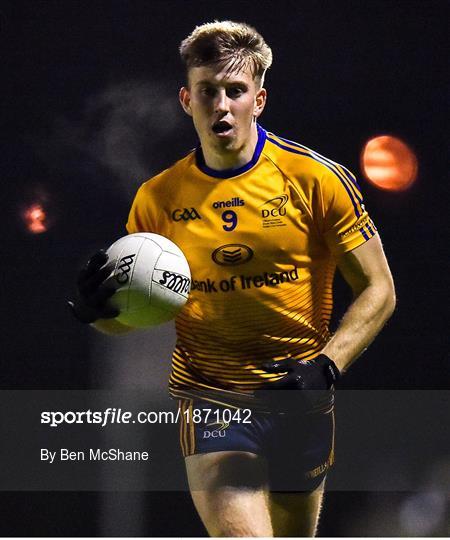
(318, 374)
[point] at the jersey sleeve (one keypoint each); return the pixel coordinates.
(344, 220)
(142, 216)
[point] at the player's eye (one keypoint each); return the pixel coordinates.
(208, 91)
(235, 92)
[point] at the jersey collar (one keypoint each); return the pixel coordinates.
(230, 173)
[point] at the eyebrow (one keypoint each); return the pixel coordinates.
(242, 83)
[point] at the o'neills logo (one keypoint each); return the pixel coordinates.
(123, 268)
(364, 221)
(175, 282)
(235, 201)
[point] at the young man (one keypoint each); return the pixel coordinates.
(263, 222)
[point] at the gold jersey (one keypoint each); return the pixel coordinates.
(262, 243)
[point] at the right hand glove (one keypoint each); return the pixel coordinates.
(92, 303)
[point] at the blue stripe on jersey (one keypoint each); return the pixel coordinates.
(230, 173)
(363, 232)
(350, 192)
(323, 159)
(372, 232)
(352, 179)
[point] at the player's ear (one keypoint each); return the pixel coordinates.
(185, 99)
(260, 102)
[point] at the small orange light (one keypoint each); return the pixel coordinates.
(389, 163)
(35, 219)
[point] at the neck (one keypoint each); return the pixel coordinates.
(221, 159)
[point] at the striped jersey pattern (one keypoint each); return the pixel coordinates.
(262, 243)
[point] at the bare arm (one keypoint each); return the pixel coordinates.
(366, 270)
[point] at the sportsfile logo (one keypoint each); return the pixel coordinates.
(123, 268)
(175, 282)
(185, 214)
(273, 210)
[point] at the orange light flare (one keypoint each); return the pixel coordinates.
(389, 163)
(35, 218)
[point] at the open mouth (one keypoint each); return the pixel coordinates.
(220, 127)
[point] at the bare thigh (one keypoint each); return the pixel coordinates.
(230, 492)
(296, 514)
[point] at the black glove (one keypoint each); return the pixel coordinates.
(93, 294)
(312, 381)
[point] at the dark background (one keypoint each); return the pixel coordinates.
(90, 111)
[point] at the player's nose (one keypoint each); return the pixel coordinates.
(222, 103)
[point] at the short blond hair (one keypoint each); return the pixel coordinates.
(233, 45)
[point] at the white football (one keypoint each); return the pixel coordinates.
(151, 277)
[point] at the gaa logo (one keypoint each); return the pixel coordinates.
(175, 282)
(123, 269)
(185, 214)
(232, 254)
(279, 210)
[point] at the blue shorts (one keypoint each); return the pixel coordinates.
(298, 447)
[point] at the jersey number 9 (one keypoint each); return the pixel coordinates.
(230, 219)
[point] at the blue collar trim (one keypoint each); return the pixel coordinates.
(230, 173)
